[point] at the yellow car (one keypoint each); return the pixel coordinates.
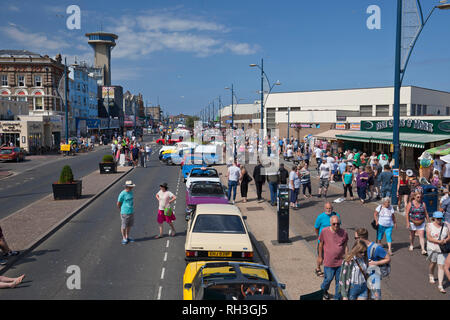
(217, 232)
(230, 280)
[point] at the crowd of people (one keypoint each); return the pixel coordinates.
(135, 152)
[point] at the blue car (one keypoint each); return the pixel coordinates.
(191, 163)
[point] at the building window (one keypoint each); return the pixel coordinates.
(403, 110)
(38, 103)
(37, 81)
(382, 110)
(21, 81)
(365, 111)
(4, 80)
(424, 110)
(413, 109)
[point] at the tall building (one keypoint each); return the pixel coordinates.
(103, 43)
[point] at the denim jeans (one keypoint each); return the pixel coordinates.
(273, 186)
(330, 273)
(357, 291)
(232, 185)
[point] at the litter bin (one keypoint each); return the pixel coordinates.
(430, 197)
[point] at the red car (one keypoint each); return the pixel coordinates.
(169, 142)
(12, 153)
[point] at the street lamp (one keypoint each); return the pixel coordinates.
(264, 75)
(398, 78)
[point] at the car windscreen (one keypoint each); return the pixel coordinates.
(217, 223)
(198, 173)
(206, 189)
(6, 151)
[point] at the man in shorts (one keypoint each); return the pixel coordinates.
(126, 206)
(325, 176)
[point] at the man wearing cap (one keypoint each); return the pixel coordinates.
(126, 206)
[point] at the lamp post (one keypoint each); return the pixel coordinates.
(66, 93)
(398, 78)
(232, 117)
(264, 75)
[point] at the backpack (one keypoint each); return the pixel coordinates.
(385, 269)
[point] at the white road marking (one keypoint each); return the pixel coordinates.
(167, 244)
(162, 273)
(159, 293)
(165, 257)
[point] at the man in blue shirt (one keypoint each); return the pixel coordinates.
(323, 221)
(377, 258)
(126, 206)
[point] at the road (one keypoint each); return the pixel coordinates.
(146, 269)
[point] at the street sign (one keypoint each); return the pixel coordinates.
(65, 147)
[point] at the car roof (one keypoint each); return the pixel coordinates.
(203, 169)
(223, 209)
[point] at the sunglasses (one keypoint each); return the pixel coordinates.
(336, 224)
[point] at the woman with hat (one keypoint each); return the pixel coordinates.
(165, 213)
(126, 206)
(437, 234)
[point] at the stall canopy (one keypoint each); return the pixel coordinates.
(412, 140)
(441, 150)
(331, 134)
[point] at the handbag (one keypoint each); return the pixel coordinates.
(445, 248)
(168, 211)
(374, 224)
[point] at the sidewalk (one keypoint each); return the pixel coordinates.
(292, 263)
(28, 227)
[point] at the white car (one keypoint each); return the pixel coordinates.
(202, 174)
(217, 232)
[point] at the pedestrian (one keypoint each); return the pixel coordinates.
(362, 180)
(347, 180)
(378, 258)
(6, 282)
(437, 234)
(135, 155)
(318, 154)
(332, 248)
(324, 176)
(383, 159)
(370, 182)
(436, 180)
(283, 174)
(126, 206)
(165, 214)
(273, 180)
(385, 220)
(148, 152)
(244, 179)
(142, 156)
(416, 214)
(377, 170)
(323, 221)
(259, 177)
(294, 186)
(353, 274)
(233, 175)
(446, 175)
(385, 181)
(416, 187)
(403, 189)
(7, 252)
(445, 208)
(305, 180)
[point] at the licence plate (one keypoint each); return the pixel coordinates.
(219, 254)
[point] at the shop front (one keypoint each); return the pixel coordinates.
(416, 136)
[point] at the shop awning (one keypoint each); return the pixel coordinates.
(331, 134)
(440, 150)
(412, 140)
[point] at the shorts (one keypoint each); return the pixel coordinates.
(324, 183)
(127, 220)
(384, 230)
(163, 218)
(357, 291)
(437, 257)
(413, 227)
(404, 191)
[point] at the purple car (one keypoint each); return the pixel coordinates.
(204, 192)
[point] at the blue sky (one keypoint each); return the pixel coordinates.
(187, 52)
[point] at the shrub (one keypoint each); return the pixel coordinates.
(107, 158)
(66, 175)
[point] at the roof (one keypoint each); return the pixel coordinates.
(331, 134)
(18, 53)
(413, 140)
(227, 209)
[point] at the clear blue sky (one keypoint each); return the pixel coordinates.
(187, 52)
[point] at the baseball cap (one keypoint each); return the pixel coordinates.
(438, 214)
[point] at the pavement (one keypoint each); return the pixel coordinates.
(28, 227)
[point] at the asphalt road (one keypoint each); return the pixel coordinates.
(146, 269)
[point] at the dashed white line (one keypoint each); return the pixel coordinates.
(165, 257)
(167, 244)
(159, 293)
(162, 273)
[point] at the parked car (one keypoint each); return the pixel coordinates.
(204, 192)
(230, 280)
(202, 174)
(191, 162)
(169, 142)
(217, 232)
(12, 153)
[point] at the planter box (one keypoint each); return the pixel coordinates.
(108, 167)
(67, 191)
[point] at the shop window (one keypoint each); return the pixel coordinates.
(413, 109)
(382, 110)
(403, 110)
(419, 110)
(424, 110)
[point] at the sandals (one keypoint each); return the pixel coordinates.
(318, 272)
(441, 289)
(158, 237)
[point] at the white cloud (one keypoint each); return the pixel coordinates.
(13, 8)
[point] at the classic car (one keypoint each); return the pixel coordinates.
(204, 192)
(230, 280)
(12, 153)
(202, 174)
(217, 231)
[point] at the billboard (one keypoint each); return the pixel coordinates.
(108, 93)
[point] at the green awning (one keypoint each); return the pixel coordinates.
(440, 150)
(411, 140)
